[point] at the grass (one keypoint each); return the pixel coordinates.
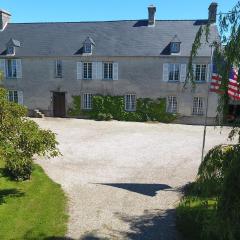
(34, 209)
(195, 215)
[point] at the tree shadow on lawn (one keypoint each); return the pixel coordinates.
(9, 193)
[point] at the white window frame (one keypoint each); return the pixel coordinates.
(87, 48)
(174, 75)
(11, 50)
(172, 104)
(199, 75)
(108, 70)
(130, 101)
(198, 106)
(88, 70)
(175, 47)
(58, 73)
(13, 96)
(87, 101)
(13, 68)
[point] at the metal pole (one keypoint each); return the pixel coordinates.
(206, 113)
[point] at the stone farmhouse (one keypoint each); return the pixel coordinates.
(45, 64)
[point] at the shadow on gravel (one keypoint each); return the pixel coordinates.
(154, 225)
(144, 189)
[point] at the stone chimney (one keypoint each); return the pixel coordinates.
(212, 12)
(151, 15)
(4, 19)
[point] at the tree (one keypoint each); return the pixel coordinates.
(21, 139)
(226, 55)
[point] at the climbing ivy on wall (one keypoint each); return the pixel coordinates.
(112, 107)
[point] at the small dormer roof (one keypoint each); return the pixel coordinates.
(89, 40)
(175, 39)
(13, 43)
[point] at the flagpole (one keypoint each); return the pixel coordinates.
(206, 113)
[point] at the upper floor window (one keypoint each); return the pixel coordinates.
(172, 104)
(13, 96)
(87, 101)
(11, 68)
(87, 70)
(175, 47)
(11, 50)
(58, 68)
(173, 72)
(200, 71)
(197, 106)
(108, 71)
(130, 102)
(87, 48)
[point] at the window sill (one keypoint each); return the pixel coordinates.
(12, 78)
(130, 110)
(58, 76)
(107, 79)
(171, 81)
(200, 82)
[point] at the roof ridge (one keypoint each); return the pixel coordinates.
(105, 21)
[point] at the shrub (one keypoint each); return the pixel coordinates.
(212, 171)
(113, 107)
(21, 139)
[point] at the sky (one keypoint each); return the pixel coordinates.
(104, 10)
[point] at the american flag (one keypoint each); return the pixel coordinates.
(233, 84)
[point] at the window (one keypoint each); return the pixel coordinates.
(11, 50)
(174, 72)
(130, 102)
(87, 48)
(87, 70)
(12, 68)
(197, 106)
(108, 71)
(13, 96)
(200, 72)
(58, 68)
(172, 104)
(175, 47)
(87, 101)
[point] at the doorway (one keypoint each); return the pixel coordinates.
(59, 107)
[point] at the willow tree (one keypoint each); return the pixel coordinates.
(226, 54)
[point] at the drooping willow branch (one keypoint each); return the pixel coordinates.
(226, 55)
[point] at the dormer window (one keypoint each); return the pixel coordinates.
(87, 48)
(11, 50)
(11, 46)
(88, 45)
(175, 45)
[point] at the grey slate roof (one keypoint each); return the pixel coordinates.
(112, 38)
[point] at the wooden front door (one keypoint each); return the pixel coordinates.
(59, 108)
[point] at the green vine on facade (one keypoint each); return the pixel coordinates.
(113, 107)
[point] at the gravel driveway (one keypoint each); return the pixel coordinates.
(123, 178)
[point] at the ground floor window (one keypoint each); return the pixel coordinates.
(172, 104)
(197, 106)
(87, 101)
(13, 96)
(130, 102)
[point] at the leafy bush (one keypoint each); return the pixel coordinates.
(21, 139)
(113, 107)
(212, 171)
(210, 218)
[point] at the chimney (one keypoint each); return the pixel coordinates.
(151, 15)
(4, 19)
(212, 12)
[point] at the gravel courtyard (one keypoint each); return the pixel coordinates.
(123, 178)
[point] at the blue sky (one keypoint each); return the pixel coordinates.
(96, 10)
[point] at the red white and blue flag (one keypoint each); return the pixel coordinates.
(233, 84)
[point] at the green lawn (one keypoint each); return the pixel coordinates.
(34, 209)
